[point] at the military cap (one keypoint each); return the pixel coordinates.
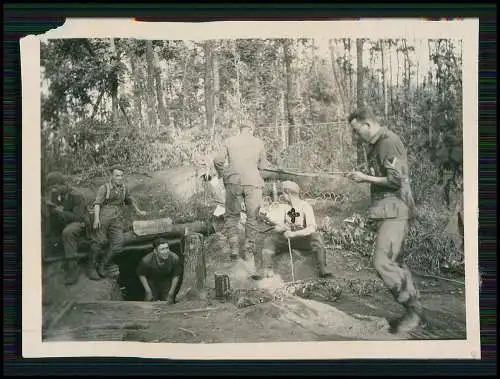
(290, 186)
(55, 178)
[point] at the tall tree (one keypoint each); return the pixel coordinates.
(289, 94)
(151, 112)
(360, 152)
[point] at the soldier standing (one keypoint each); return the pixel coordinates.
(245, 154)
(107, 224)
(68, 213)
(391, 210)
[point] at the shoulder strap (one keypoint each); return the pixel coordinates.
(108, 190)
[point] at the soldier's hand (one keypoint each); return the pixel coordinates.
(142, 213)
(289, 234)
(97, 224)
(280, 228)
(357, 176)
(59, 208)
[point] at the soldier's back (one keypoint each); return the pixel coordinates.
(244, 153)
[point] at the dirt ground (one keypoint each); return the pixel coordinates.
(360, 312)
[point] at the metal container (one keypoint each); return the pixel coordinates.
(222, 286)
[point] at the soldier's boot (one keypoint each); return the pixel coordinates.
(253, 260)
(234, 248)
(72, 273)
(103, 266)
(320, 255)
(267, 264)
(412, 319)
(92, 266)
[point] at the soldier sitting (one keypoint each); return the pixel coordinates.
(69, 216)
(107, 226)
(160, 273)
(295, 222)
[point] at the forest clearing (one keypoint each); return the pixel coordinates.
(162, 109)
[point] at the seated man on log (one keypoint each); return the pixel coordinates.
(69, 216)
(107, 226)
(295, 222)
(161, 273)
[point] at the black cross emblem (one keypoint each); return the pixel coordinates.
(292, 214)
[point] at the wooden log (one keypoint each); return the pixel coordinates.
(145, 246)
(173, 231)
(194, 277)
(62, 311)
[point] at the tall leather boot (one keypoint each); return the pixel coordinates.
(412, 319)
(92, 265)
(320, 255)
(72, 273)
(102, 267)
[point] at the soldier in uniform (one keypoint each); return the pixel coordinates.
(294, 221)
(391, 210)
(161, 272)
(107, 224)
(245, 154)
(68, 212)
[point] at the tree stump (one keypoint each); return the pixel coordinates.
(195, 272)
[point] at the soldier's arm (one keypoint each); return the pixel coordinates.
(391, 154)
(78, 211)
(175, 280)
(141, 273)
(311, 223)
(130, 200)
(99, 200)
(220, 160)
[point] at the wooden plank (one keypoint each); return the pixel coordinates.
(63, 311)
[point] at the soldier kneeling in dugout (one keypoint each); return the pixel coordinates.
(161, 272)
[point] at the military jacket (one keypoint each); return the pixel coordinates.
(387, 157)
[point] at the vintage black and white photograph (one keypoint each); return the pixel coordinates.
(249, 190)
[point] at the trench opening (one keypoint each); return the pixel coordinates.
(131, 287)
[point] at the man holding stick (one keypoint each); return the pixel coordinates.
(294, 228)
(391, 210)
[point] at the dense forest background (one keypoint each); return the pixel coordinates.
(157, 104)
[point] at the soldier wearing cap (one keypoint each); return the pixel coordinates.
(245, 155)
(107, 222)
(68, 214)
(294, 221)
(391, 210)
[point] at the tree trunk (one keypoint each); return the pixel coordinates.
(236, 62)
(290, 102)
(340, 93)
(151, 112)
(137, 91)
(391, 93)
(162, 110)
(209, 84)
(195, 274)
(384, 82)
(399, 68)
(114, 85)
(216, 77)
(360, 96)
